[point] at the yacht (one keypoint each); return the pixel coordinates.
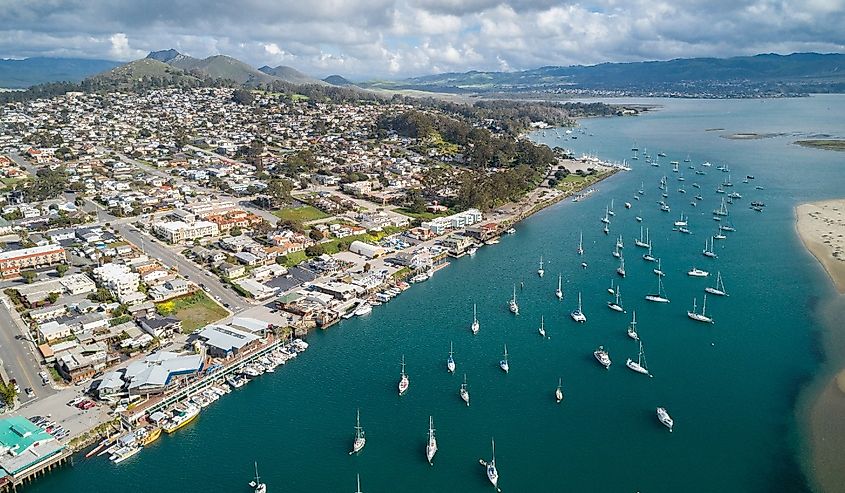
(450, 363)
(700, 317)
(492, 472)
(602, 357)
(363, 309)
(559, 391)
(431, 446)
(512, 305)
(615, 305)
(719, 290)
(404, 382)
(664, 418)
(621, 269)
(632, 328)
(475, 325)
(708, 249)
(581, 243)
(542, 329)
(256, 484)
(578, 315)
(660, 296)
(682, 221)
(503, 364)
(648, 257)
(182, 418)
(360, 440)
(464, 392)
(695, 272)
(640, 242)
(559, 290)
(638, 366)
(541, 271)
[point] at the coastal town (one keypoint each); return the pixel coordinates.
(161, 249)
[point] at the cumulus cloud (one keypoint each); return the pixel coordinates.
(372, 38)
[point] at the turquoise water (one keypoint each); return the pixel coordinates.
(730, 387)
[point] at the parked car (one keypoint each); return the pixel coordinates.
(45, 377)
(30, 392)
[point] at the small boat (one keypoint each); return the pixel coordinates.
(660, 296)
(615, 305)
(475, 325)
(559, 391)
(627, 205)
(559, 290)
(578, 315)
(611, 289)
(510, 231)
(363, 309)
(621, 269)
(619, 244)
(541, 271)
(661, 154)
(694, 272)
(638, 366)
(256, 484)
(616, 253)
(512, 305)
(648, 257)
(640, 242)
(659, 270)
(542, 328)
(708, 249)
(503, 363)
(360, 440)
(472, 250)
(664, 418)
(602, 357)
(632, 328)
(639, 219)
(581, 243)
(404, 382)
(431, 446)
(700, 317)
(719, 290)
(606, 219)
(450, 363)
(492, 472)
(464, 393)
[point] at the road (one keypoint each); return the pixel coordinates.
(18, 356)
(23, 163)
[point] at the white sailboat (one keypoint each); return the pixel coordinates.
(660, 296)
(464, 392)
(615, 305)
(659, 270)
(648, 257)
(719, 290)
(431, 446)
(359, 484)
(610, 211)
(559, 391)
(559, 290)
(612, 288)
(360, 440)
(450, 363)
(581, 243)
(578, 315)
(632, 327)
(708, 249)
(602, 357)
(512, 305)
(621, 269)
(404, 382)
(256, 484)
(492, 472)
(541, 271)
(641, 242)
(503, 364)
(619, 244)
(700, 317)
(616, 253)
(664, 418)
(606, 219)
(542, 328)
(638, 366)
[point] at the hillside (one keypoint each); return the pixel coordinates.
(15, 74)
(289, 74)
(140, 73)
(221, 67)
(337, 80)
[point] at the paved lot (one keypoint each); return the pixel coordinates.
(71, 418)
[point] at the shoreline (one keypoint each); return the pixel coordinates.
(821, 227)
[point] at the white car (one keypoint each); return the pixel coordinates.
(45, 378)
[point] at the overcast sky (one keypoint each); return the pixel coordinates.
(390, 38)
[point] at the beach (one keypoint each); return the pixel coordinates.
(821, 226)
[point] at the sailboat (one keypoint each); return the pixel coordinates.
(578, 315)
(602, 357)
(359, 484)
(700, 317)
(664, 418)
(503, 364)
(648, 257)
(256, 484)
(722, 210)
(492, 472)
(512, 306)
(610, 211)
(581, 243)
(450, 363)
(615, 305)
(640, 242)
(475, 325)
(632, 328)
(404, 382)
(719, 290)
(638, 366)
(559, 391)
(660, 296)
(541, 271)
(708, 249)
(542, 329)
(559, 290)
(621, 269)
(619, 244)
(616, 253)
(612, 288)
(464, 392)
(659, 270)
(641, 191)
(431, 446)
(606, 219)
(360, 440)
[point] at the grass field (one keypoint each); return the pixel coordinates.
(195, 311)
(294, 258)
(303, 213)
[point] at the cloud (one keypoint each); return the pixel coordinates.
(372, 38)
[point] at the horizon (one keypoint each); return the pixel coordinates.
(396, 39)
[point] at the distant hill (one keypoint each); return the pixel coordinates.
(15, 74)
(289, 74)
(686, 76)
(135, 74)
(220, 67)
(337, 80)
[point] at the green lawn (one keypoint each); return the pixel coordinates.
(295, 258)
(195, 311)
(303, 213)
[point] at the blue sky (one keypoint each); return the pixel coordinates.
(397, 38)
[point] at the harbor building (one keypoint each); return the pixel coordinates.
(24, 449)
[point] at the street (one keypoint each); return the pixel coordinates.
(17, 356)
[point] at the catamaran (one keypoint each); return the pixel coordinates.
(256, 484)
(450, 363)
(542, 328)
(541, 271)
(695, 272)
(632, 328)
(700, 317)
(578, 315)
(648, 257)
(602, 357)
(559, 391)
(580, 243)
(615, 305)
(503, 364)
(638, 366)
(559, 290)
(360, 439)
(475, 325)
(404, 382)
(708, 249)
(621, 269)
(431, 446)
(719, 290)
(640, 242)
(660, 296)
(512, 306)
(664, 418)
(492, 472)
(464, 392)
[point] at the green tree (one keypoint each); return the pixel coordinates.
(8, 394)
(316, 235)
(53, 297)
(314, 250)
(29, 276)
(62, 269)
(242, 96)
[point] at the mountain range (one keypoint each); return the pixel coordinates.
(18, 74)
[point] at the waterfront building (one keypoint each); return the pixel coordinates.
(366, 249)
(23, 448)
(223, 341)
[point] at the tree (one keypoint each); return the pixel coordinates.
(415, 201)
(279, 190)
(8, 394)
(53, 297)
(314, 250)
(236, 231)
(367, 267)
(79, 201)
(102, 295)
(242, 96)
(29, 276)
(62, 269)
(316, 235)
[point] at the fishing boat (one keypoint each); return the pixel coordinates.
(542, 328)
(638, 366)
(360, 440)
(182, 418)
(621, 269)
(541, 271)
(581, 243)
(431, 446)
(450, 363)
(503, 363)
(602, 357)
(475, 325)
(708, 249)
(404, 382)
(559, 391)
(256, 484)
(695, 272)
(659, 270)
(152, 434)
(664, 418)
(632, 327)
(559, 290)
(464, 393)
(641, 242)
(660, 296)
(578, 315)
(615, 305)
(492, 472)
(648, 257)
(700, 317)
(719, 289)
